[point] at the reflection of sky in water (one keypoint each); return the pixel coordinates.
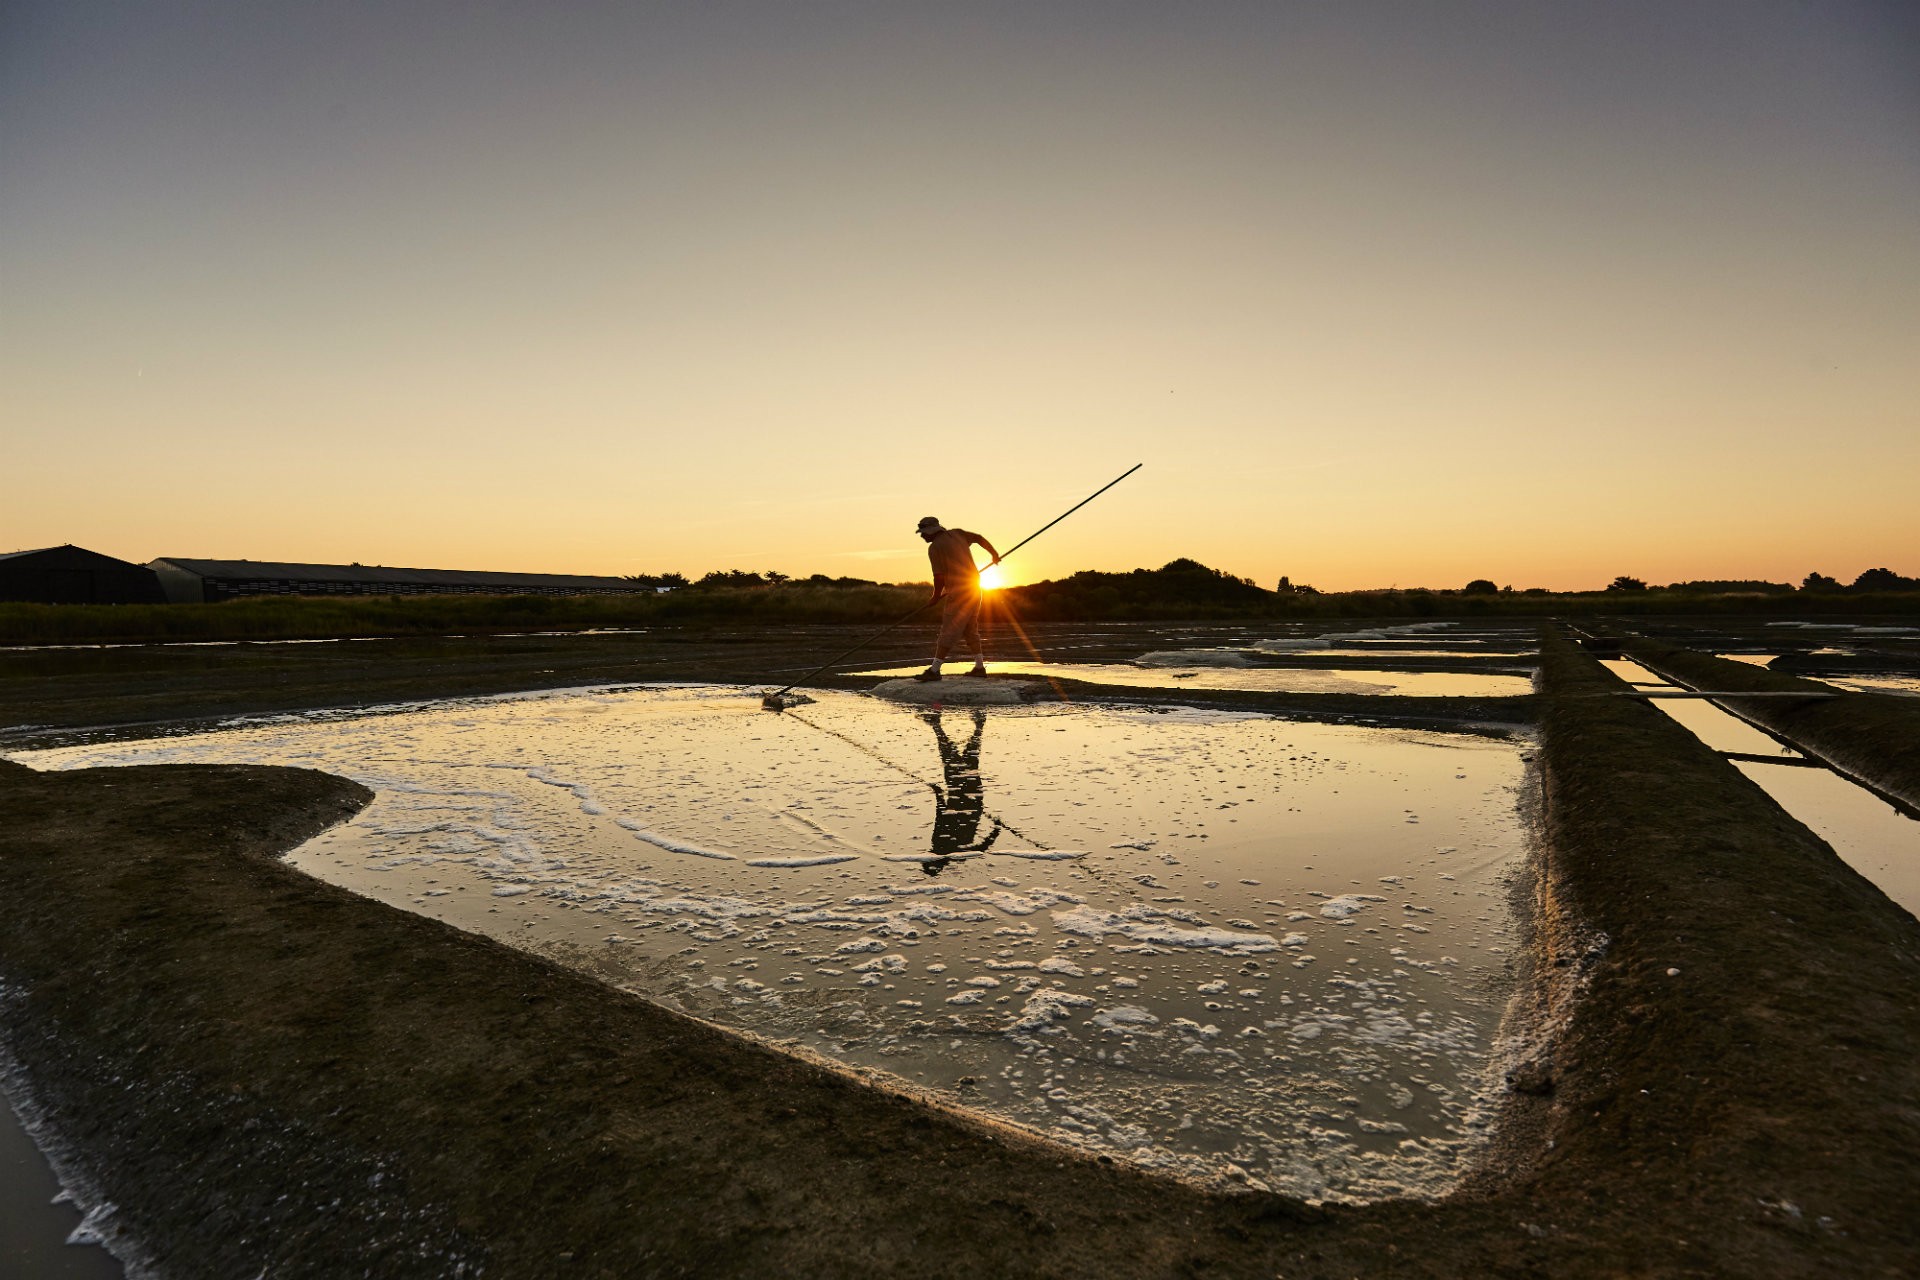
(1751, 659)
(1868, 833)
(1204, 675)
(1909, 685)
(1465, 649)
(1194, 940)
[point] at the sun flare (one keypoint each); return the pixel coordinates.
(991, 579)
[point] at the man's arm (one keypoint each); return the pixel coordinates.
(980, 541)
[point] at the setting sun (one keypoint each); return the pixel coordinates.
(991, 578)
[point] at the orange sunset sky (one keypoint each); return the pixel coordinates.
(1380, 293)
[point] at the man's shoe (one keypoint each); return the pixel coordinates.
(979, 669)
(928, 676)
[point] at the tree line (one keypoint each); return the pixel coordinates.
(1871, 580)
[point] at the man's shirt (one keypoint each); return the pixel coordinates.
(951, 554)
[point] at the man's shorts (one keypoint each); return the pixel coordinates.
(960, 620)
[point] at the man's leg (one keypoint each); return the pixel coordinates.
(953, 623)
(974, 640)
(939, 656)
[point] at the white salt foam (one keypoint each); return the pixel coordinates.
(1143, 923)
(669, 844)
(826, 860)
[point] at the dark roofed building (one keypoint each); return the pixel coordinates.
(75, 575)
(193, 581)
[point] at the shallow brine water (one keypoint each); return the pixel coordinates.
(1907, 686)
(1223, 944)
(41, 1233)
(1201, 670)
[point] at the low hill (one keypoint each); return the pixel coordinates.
(1178, 589)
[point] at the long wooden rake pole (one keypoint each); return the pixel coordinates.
(772, 701)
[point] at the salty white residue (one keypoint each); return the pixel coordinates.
(581, 791)
(1018, 904)
(1297, 644)
(823, 860)
(1348, 904)
(1194, 658)
(1045, 1007)
(1143, 923)
(669, 844)
(1127, 1018)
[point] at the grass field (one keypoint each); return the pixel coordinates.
(1182, 590)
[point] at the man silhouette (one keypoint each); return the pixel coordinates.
(961, 804)
(956, 580)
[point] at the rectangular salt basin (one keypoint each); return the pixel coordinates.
(1205, 670)
(1222, 945)
(1867, 832)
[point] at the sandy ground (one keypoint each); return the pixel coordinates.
(263, 1072)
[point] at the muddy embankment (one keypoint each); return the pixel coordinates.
(1872, 736)
(266, 1073)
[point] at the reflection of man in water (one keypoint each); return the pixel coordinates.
(956, 580)
(962, 802)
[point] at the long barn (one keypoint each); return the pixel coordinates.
(192, 581)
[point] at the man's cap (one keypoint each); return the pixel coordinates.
(929, 522)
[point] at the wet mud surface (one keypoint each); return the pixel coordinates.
(1715, 1073)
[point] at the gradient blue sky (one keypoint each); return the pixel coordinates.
(1381, 293)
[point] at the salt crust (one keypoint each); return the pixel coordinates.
(954, 691)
